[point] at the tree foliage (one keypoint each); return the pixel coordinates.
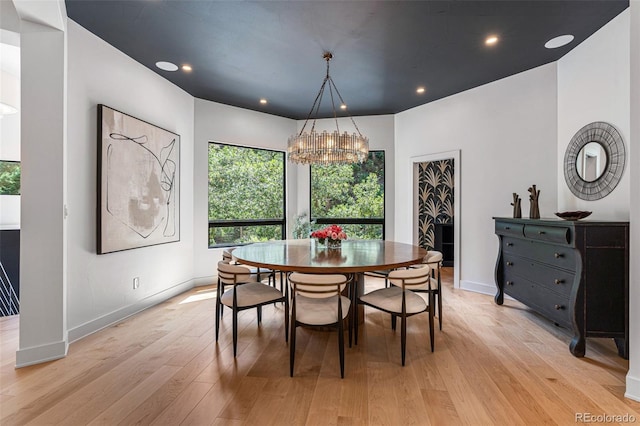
(245, 184)
(9, 178)
(248, 184)
(350, 191)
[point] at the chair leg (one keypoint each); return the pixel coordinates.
(292, 345)
(218, 316)
(393, 322)
(355, 320)
(259, 314)
(439, 300)
(403, 337)
(431, 331)
(286, 319)
(235, 331)
(341, 345)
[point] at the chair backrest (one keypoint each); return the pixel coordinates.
(432, 257)
(226, 254)
(318, 285)
(414, 277)
(233, 274)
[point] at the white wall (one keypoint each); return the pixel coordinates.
(380, 131)
(216, 122)
(100, 288)
(593, 85)
(506, 134)
(633, 377)
(10, 124)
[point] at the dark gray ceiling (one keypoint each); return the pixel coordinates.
(242, 51)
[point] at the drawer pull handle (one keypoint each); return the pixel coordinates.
(509, 263)
(509, 282)
(507, 227)
(559, 307)
(559, 281)
(509, 244)
(558, 255)
(541, 232)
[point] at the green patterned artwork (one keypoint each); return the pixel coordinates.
(435, 198)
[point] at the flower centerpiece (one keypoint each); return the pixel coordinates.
(332, 235)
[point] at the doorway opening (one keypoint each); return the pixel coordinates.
(436, 206)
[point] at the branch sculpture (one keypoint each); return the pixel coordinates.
(517, 211)
(534, 209)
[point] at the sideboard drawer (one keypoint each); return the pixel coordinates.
(553, 279)
(551, 234)
(551, 305)
(514, 229)
(553, 255)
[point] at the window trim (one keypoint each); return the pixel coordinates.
(353, 220)
(228, 223)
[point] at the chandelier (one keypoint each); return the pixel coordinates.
(327, 148)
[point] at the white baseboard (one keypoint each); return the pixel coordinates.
(43, 353)
(202, 281)
(633, 388)
(104, 321)
(488, 289)
(482, 288)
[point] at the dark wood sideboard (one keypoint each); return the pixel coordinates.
(575, 273)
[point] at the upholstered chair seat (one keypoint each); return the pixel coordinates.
(317, 300)
(245, 293)
(400, 300)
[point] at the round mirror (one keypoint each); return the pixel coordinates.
(591, 162)
(594, 161)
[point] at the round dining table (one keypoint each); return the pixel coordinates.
(353, 257)
(306, 255)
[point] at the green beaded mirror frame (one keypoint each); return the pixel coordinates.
(611, 142)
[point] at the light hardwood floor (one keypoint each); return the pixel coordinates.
(491, 365)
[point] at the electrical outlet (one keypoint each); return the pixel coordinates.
(136, 283)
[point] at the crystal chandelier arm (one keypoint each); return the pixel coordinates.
(331, 83)
(315, 102)
(333, 104)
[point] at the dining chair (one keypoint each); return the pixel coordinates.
(317, 300)
(401, 300)
(384, 274)
(261, 273)
(434, 260)
(245, 293)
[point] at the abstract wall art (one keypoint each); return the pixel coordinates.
(138, 183)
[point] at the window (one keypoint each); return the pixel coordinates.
(9, 177)
(246, 195)
(350, 195)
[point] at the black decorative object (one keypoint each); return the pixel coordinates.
(610, 173)
(534, 209)
(575, 273)
(517, 210)
(577, 215)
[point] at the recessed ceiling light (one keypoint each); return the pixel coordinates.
(491, 40)
(559, 41)
(420, 90)
(263, 101)
(343, 106)
(166, 66)
(187, 68)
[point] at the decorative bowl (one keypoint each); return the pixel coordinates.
(577, 215)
